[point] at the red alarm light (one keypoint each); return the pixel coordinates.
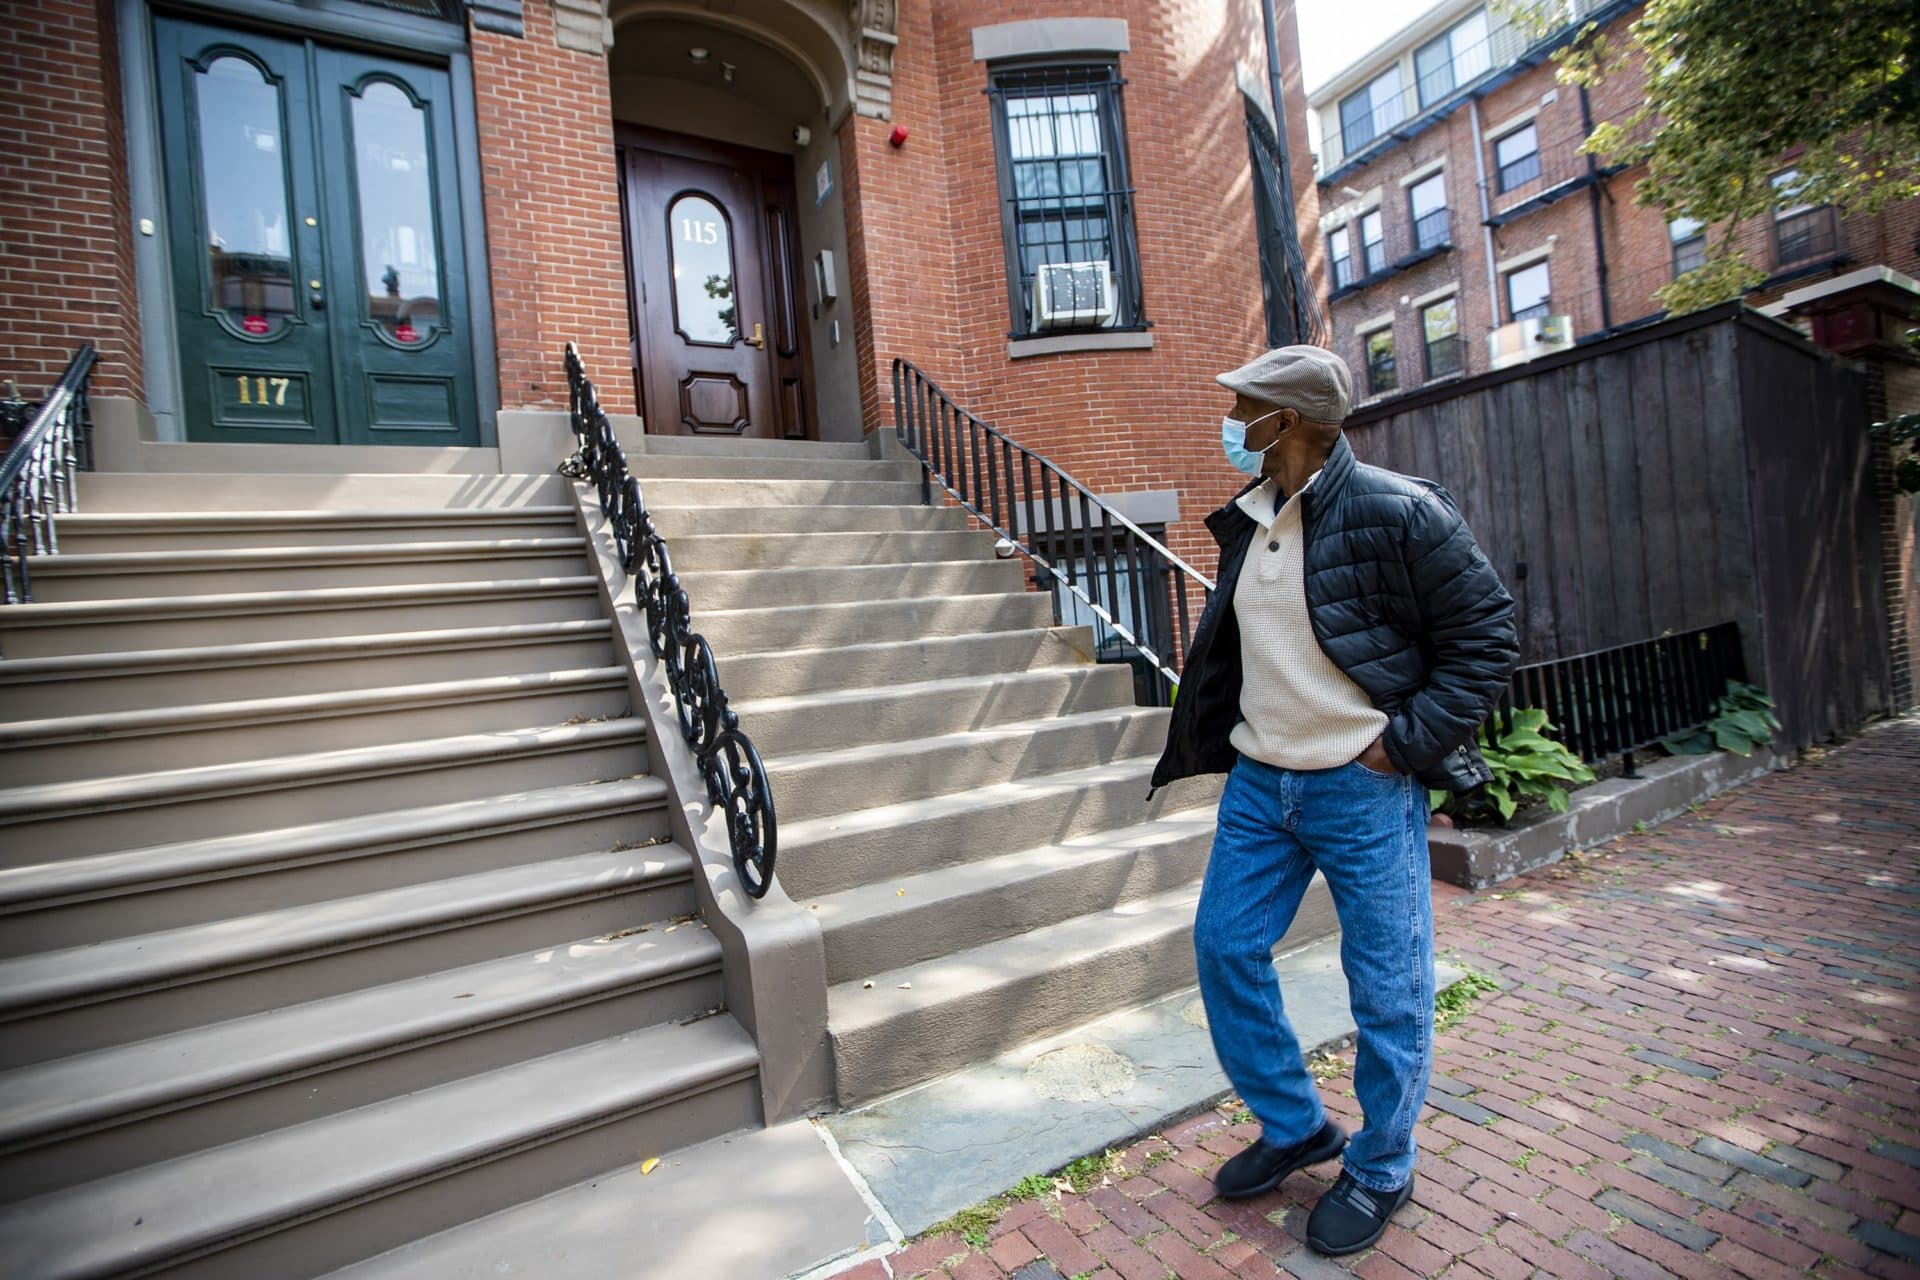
(899, 135)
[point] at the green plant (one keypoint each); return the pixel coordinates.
(1450, 1005)
(1742, 720)
(1524, 762)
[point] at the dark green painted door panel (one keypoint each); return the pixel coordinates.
(313, 203)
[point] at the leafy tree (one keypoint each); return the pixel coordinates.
(1736, 88)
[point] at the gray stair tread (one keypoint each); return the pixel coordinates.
(314, 767)
(168, 1071)
(852, 1005)
(1067, 784)
(879, 753)
(837, 700)
(71, 564)
(294, 601)
(774, 573)
(893, 601)
(69, 879)
(196, 952)
(249, 1186)
(140, 661)
(179, 719)
(684, 1218)
(399, 517)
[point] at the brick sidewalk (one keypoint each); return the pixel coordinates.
(1702, 1062)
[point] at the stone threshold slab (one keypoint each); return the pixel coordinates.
(928, 1152)
(1476, 858)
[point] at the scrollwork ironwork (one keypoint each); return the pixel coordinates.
(735, 777)
(40, 475)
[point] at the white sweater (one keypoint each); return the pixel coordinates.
(1299, 710)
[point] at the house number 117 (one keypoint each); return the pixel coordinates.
(259, 389)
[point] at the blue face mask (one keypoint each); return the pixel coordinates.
(1233, 439)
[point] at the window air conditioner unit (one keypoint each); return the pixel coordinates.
(1069, 295)
(1525, 340)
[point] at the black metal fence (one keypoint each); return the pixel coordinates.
(1135, 589)
(40, 475)
(1614, 702)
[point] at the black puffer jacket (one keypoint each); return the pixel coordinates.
(1401, 599)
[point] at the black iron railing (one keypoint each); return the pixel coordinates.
(41, 473)
(735, 777)
(1622, 700)
(1141, 593)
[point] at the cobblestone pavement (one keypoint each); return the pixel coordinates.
(1702, 1061)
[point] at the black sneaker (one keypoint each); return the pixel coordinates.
(1262, 1167)
(1350, 1217)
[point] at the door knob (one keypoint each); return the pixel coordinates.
(759, 338)
(315, 296)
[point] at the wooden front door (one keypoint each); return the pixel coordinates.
(314, 224)
(710, 256)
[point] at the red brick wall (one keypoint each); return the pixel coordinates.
(1117, 421)
(552, 215)
(66, 263)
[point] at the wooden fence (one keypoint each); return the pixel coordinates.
(1707, 468)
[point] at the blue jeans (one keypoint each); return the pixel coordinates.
(1366, 832)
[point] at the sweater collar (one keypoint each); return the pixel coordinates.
(1325, 486)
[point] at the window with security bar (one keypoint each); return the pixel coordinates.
(1066, 203)
(1132, 589)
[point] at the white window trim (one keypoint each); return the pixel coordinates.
(1367, 328)
(1498, 132)
(1519, 260)
(1352, 211)
(1040, 36)
(1426, 300)
(1425, 171)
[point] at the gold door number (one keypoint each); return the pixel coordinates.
(262, 387)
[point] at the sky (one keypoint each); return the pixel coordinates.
(1333, 35)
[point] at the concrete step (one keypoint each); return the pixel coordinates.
(688, 522)
(55, 1003)
(64, 578)
(738, 632)
(105, 683)
(692, 554)
(656, 446)
(70, 901)
(899, 921)
(791, 673)
(94, 1114)
(648, 467)
(156, 491)
(75, 747)
(892, 713)
(843, 851)
(311, 1197)
(940, 1015)
(65, 820)
(772, 588)
(666, 493)
(823, 784)
(177, 622)
(85, 532)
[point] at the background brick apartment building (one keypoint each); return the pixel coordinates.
(1456, 205)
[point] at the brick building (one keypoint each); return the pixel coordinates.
(1463, 226)
(356, 223)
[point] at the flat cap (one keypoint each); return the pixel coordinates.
(1310, 379)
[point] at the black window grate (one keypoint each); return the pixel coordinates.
(1065, 195)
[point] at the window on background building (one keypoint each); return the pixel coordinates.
(1066, 203)
(1444, 64)
(1380, 375)
(1527, 292)
(1428, 199)
(1440, 326)
(1373, 242)
(1367, 113)
(1340, 249)
(1800, 231)
(1517, 157)
(1689, 241)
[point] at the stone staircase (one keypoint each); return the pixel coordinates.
(337, 905)
(962, 790)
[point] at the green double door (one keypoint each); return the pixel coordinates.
(314, 231)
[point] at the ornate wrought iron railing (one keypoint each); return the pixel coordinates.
(1141, 594)
(41, 473)
(1614, 702)
(735, 777)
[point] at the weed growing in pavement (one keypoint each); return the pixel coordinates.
(1450, 1006)
(1325, 1066)
(973, 1223)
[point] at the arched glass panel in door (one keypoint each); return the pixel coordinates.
(393, 186)
(704, 306)
(243, 175)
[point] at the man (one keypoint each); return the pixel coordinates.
(1355, 638)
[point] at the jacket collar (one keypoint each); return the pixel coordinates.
(1334, 474)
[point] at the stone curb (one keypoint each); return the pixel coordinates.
(1666, 786)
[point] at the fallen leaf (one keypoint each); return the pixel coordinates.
(648, 1165)
(899, 893)
(866, 986)
(906, 986)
